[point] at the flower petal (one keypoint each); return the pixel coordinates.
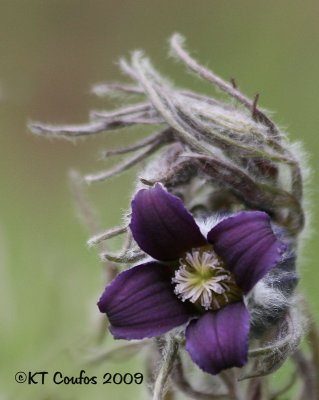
(219, 340)
(248, 246)
(162, 226)
(140, 302)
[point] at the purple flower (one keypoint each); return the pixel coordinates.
(196, 280)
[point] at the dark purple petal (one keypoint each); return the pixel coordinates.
(219, 339)
(140, 302)
(162, 226)
(247, 245)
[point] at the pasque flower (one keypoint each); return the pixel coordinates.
(219, 283)
(195, 280)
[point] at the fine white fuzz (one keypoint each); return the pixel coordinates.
(207, 224)
(268, 297)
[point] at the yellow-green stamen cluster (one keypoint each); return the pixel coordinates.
(202, 279)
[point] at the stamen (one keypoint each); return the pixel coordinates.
(202, 279)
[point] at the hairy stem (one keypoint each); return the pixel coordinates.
(306, 372)
(100, 237)
(169, 356)
(183, 384)
(162, 136)
(178, 50)
(125, 165)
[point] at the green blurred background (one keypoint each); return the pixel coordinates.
(51, 52)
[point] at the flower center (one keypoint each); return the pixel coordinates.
(203, 280)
